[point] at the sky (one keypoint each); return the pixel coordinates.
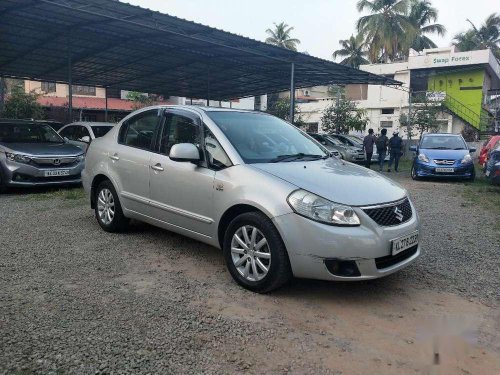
(319, 24)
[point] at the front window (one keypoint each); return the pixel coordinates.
(100, 131)
(28, 133)
(443, 143)
(260, 138)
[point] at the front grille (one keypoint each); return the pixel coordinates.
(444, 162)
(388, 215)
(54, 162)
(391, 260)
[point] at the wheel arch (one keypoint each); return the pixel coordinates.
(95, 183)
(230, 214)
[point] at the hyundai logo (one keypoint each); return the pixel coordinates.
(398, 213)
(56, 161)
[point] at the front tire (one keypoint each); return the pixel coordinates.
(108, 210)
(255, 254)
(413, 173)
(472, 176)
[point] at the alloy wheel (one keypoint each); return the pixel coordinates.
(250, 253)
(106, 206)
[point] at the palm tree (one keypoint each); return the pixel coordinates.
(354, 51)
(385, 28)
(280, 37)
(421, 16)
(487, 36)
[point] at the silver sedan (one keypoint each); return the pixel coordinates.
(255, 186)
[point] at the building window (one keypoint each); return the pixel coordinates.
(387, 111)
(48, 87)
(386, 124)
(84, 90)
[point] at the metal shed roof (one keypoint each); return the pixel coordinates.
(114, 44)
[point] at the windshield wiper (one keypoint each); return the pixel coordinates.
(298, 156)
(437, 148)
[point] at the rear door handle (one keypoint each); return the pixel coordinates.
(114, 157)
(157, 167)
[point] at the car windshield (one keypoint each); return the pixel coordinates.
(28, 133)
(260, 138)
(333, 141)
(100, 130)
(443, 142)
(354, 139)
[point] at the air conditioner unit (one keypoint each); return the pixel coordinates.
(307, 93)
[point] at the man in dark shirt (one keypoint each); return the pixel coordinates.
(382, 142)
(395, 150)
(368, 143)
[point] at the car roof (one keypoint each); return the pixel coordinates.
(26, 121)
(90, 123)
(202, 108)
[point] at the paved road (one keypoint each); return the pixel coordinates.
(74, 299)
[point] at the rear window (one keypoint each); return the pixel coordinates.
(100, 131)
(28, 133)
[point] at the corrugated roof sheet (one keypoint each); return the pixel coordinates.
(113, 44)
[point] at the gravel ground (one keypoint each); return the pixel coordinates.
(74, 299)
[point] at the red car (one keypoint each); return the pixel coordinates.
(483, 154)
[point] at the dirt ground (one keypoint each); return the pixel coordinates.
(169, 306)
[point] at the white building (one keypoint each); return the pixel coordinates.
(464, 79)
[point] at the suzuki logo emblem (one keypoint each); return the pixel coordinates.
(398, 213)
(56, 161)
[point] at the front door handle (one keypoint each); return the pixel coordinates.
(157, 167)
(114, 157)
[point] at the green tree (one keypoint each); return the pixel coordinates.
(22, 105)
(486, 36)
(423, 117)
(281, 108)
(343, 116)
(141, 100)
(422, 15)
(281, 36)
(353, 50)
(385, 28)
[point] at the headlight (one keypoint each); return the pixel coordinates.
(80, 157)
(18, 157)
(423, 157)
(467, 159)
(319, 209)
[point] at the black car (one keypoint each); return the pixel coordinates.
(493, 166)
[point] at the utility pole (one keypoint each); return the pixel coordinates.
(409, 124)
(292, 93)
(2, 93)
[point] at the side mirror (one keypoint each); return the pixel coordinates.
(184, 152)
(472, 149)
(413, 148)
(85, 139)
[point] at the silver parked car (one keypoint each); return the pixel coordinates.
(259, 188)
(82, 133)
(348, 149)
(33, 153)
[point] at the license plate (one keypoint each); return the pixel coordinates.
(57, 172)
(404, 242)
(445, 170)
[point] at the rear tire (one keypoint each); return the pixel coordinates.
(108, 210)
(257, 260)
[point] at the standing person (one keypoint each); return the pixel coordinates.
(395, 150)
(382, 142)
(368, 143)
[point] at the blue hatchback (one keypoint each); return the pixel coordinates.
(443, 155)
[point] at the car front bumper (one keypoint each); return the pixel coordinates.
(311, 245)
(20, 174)
(429, 170)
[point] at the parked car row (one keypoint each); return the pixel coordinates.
(32, 153)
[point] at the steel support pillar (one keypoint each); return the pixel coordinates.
(106, 104)
(70, 89)
(2, 93)
(292, 93)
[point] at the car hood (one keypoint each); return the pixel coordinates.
(444, 154)
(337, 181)
(43, 149)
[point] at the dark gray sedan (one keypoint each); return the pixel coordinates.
(33, 153)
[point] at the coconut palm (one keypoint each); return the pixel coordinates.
(385, 28)
(422, 15)
(486, 36)
(353, 50)
(280, 36)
